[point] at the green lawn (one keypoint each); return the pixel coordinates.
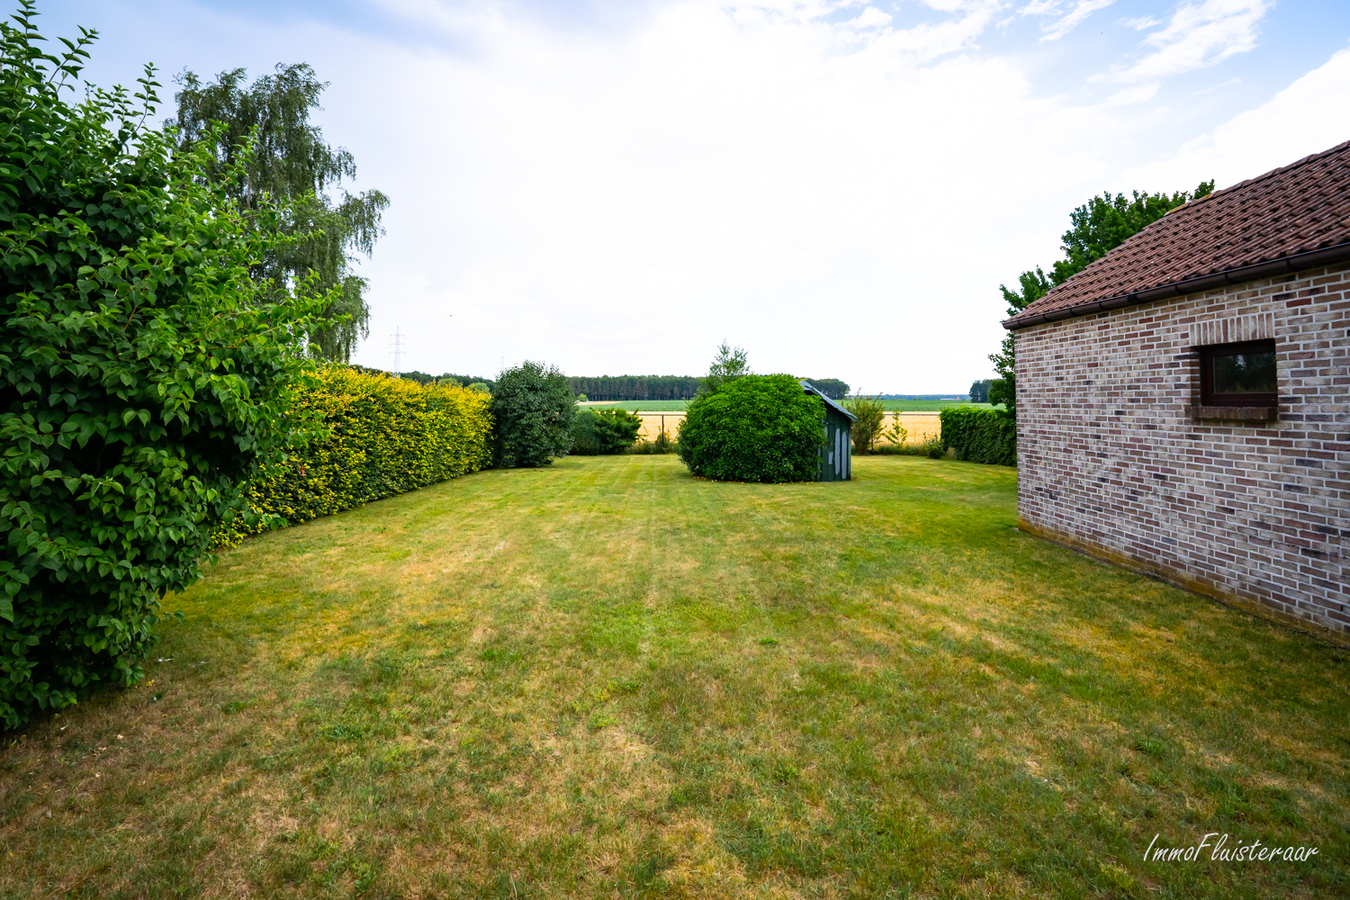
(891, 405)
(609, 679)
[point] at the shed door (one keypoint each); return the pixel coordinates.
(836, 457)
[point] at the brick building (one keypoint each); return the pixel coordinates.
(1183, 403)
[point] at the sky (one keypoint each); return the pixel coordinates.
(837, 186)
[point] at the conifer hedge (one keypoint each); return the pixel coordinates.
(380, 436)
(980, 435)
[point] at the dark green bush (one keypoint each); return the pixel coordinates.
(597, 432)
(532, 412)
(980, 435)
(143, 373)
(755, 428)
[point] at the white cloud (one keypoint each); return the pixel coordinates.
(923, 43)
(624, 205)
(1141, 23)
(836, 192)
(1068, 21)
(1133, 95)
(1307, 117)
(1197, 35)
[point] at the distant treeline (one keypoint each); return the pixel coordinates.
(622, 387)
(924, 396)
(424, 378)
(637, 387)
(669, 387)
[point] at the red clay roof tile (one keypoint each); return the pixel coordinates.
(1296, 209)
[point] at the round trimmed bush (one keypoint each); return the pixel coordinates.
(762, 428)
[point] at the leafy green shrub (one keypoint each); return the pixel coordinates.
(603, 431)
(143, 373)
(532, 411)
(934, 448)
(754, 428)
(980, 435)
(381, 436)
(481, 387)
(870, 413)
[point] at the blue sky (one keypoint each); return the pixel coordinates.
(839, 187)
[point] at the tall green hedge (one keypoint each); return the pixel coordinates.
(980, 435)
(381, 436)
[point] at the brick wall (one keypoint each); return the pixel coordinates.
(1111, 460)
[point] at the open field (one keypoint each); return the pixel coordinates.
(933, 406)
(920, 426)
(654, 423)
(610, 679)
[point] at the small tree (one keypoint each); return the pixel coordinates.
(532, 411)
(870, 412)
(896, 432)
(144, 374)
(598, 432)
(729, 364)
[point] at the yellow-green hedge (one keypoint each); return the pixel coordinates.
(384, 436)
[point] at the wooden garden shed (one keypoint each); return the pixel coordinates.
(836, 457)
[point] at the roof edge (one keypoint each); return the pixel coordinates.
(1325, 256)
(812, 389)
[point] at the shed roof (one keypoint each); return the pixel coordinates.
(1293, 218)
(812, 389)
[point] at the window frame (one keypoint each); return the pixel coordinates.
(1208, 397)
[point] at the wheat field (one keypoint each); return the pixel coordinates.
(920, 425)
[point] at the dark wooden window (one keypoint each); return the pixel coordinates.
(1238, 374)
